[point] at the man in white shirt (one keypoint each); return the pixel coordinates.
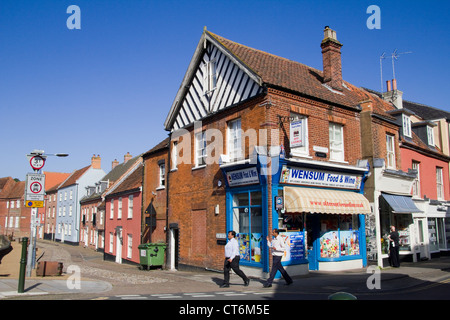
(232, 258)
(278, 248)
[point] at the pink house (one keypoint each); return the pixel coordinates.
(123, 216)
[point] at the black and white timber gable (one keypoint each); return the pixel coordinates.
(215, 80)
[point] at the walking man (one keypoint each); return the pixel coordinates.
(278, 248)
(232, 258)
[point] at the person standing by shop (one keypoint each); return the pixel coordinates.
(278, 248)
(232, 258)
(394, 248)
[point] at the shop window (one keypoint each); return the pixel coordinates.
(247, 222)
(339, 236)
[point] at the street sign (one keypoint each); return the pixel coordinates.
(34, 204)
(37, 162)
(35, 187)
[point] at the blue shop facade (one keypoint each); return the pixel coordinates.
(318, 206)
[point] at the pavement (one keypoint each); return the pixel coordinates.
(86, 275)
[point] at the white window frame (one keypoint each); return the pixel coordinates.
(200, 149)
(234, 140)
(440, 183)
(111, 242)
(111, 209)
(130, 207)
(336, 145)
(390, 152)
(162, 175)
(303, 149)
(416, 183)
(119, 209)
(209, 76)
(430, 136)
(129, 246)
(406, 120)
(174, 155)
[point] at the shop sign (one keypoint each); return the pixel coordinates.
(312, 177)
(243, 177)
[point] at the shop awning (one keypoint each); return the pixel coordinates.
(400, 204)
(298, 199)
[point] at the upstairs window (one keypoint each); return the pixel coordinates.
(336, 133)
(390, 151)
(439, 184)
(298, 129)
(209, 76)
(406, 126)
(416, 183)
(200, 149)
(234, 143)
(430, 135)
(162, 175)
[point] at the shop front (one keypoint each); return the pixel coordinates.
(400, 211)
(324, 203)
(318, 207)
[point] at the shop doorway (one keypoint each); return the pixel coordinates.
(312, 234)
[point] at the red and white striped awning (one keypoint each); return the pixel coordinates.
(299, 199)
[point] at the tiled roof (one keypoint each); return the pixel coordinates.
(74, 177)
(160, 146)
(283, 73)
(53, 179)
(132, 182)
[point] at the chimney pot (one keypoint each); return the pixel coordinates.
(388, 85)
(394, 84)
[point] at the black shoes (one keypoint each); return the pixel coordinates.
(267, 285)
(225, 285)
(289, 283)
(246, 283)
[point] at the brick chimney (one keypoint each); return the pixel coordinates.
(96, 162)
(127, 157)
(114, 164)
(331, 56)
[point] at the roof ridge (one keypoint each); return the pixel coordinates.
(262, 51)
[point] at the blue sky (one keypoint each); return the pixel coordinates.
(107, 88)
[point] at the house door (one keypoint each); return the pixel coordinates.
(119, 245)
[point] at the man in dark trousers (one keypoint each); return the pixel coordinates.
(394, 247)
(278, 249)
(232, 258)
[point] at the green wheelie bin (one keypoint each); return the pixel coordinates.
(151, 254)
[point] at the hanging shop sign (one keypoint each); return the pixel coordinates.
(243, 177)
(313, 177)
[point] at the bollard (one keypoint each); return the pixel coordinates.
(23, 265)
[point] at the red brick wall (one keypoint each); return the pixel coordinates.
(194, 193)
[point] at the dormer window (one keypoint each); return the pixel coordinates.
(406, 126)
(430, 135)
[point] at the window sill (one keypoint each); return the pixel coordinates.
(339, 161)
(160, 188)
(199, 167)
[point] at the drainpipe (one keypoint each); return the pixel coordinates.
(167, 195)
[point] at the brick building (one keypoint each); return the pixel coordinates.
(260, 142)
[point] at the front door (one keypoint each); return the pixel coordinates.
(312, 234)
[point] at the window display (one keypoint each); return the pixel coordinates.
(247, 222)
(339, 236)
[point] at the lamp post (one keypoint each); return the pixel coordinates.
(37, 160)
